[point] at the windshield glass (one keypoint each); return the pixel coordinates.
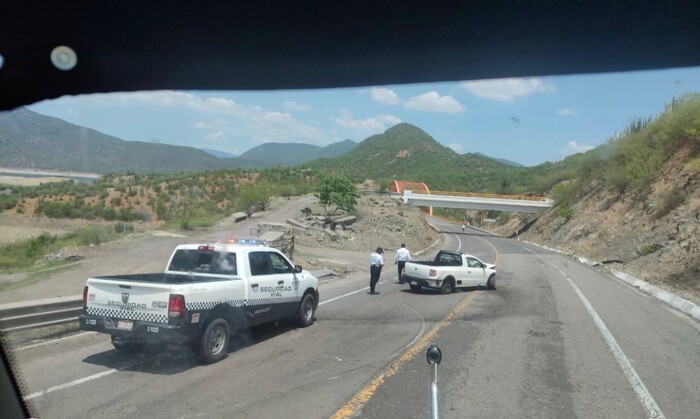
(582, 190)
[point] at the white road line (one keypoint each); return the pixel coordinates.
(348, 294)
(648, 402)
(415, 339)
(69, 384)
(459, 249)
(54, 341)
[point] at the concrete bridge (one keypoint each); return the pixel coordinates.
(474, 201)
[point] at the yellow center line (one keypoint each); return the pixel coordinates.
(495, 262)
(363, 396)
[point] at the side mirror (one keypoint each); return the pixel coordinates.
(297, 269)
(434, 355)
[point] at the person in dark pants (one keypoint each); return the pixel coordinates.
(402, 256)
(376, 262)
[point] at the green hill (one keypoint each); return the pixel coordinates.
(34, 141)
(294, 154)
(406, 152)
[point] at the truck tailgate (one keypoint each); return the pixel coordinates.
(128, 300)
(417, 270)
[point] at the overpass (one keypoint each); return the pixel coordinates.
(474, 201)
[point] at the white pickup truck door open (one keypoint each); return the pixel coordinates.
(475, 272)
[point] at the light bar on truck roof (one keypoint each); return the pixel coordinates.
(248, 242)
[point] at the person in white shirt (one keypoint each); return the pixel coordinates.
(376, 262)
(402, 256)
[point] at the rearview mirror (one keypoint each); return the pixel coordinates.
(297, 269)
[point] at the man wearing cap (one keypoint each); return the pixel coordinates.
(402, 256)
(376, 262)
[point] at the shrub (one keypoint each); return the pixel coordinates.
(647, 249)
(122, 227)
(565, 212)
(670, 201)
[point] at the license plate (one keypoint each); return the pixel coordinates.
(413, 282)
(125, 325)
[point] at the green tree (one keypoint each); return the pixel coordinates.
(251, 197)
(336, 192)
(185, 207)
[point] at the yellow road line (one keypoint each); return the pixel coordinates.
(498, 255)
(363, 396)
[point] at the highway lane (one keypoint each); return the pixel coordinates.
(532, 349)
(528, 349)
(274, 371)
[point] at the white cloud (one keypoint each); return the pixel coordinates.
(456, 147)
(366, 126)
(574, 147)
(507, 90)
(215, 136)
(385, 96)
(433, 102)
(294, 106)
(566, 112)
(235, 121)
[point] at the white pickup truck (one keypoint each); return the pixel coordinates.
(206, 294)
(450, 270)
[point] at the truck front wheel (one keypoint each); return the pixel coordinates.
(305, 317)
(491, 283)
(415, 288)
(214, 341)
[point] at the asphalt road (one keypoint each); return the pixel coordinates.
(556, 339)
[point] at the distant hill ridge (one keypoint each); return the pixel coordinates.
(294, 154)
(33, 141)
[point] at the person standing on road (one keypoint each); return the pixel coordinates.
(376, 262)
(402, 256)
(462, 227)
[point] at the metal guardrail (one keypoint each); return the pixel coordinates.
(40, 313)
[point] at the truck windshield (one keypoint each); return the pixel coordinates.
(192, 260)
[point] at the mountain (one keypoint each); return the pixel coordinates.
(335, 149)
(217, 153)
(406, 152)
(504, 161)
(34, 141)
(294, 154)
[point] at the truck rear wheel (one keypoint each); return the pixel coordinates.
(214, 341)
(446, 287)
(305, 317)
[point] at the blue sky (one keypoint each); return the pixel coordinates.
(527, 120)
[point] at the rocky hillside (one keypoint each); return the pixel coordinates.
(638, 210)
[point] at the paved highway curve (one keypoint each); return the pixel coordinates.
(556, 339)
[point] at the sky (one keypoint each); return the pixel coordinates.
(525, 120)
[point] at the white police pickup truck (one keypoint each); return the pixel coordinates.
(206, 294)
(449, 271)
